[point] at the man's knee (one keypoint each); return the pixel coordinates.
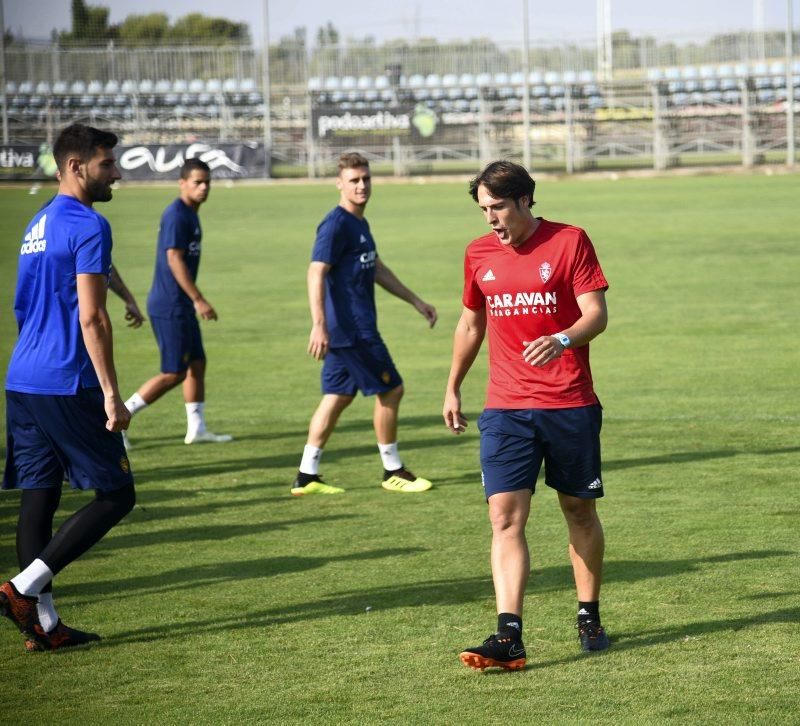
(393, 397)
(119, 501)
(173, 378)
(579, 512)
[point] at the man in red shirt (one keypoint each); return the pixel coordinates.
(539, 289)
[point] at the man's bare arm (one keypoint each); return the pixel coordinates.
(132, 313)
(176, 259)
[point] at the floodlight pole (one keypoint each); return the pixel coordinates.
(3, 99)
(790, 151)
(265, 84)
(526, 98)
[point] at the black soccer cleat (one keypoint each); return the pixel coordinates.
(499, 650)
(592, 636)
(62, 636)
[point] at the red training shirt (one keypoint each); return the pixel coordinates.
(530, 291)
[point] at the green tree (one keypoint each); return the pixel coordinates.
(213, 31)
(140, 29)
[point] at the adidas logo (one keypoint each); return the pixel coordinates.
(488, 277)
(34, 240)
(363, 240)
(596, 484)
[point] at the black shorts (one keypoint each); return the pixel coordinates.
(48, 437)
(514, 442)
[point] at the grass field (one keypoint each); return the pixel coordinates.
(222, 599)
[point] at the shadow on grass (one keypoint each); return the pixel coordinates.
(229, 466)
(684, 457)
(204, 576)
(442, 592)
(209, 533)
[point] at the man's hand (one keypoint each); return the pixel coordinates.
(204, 309)
(118, 415)
(427, 311)
(133, 315)
(453, 418)
(318, 342)
(541, 351)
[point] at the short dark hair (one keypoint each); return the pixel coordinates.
(352, 160)
(505, 180)
(82, 141)
(193, 164)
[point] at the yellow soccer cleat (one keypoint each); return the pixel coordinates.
(315, 486)
(403, 480)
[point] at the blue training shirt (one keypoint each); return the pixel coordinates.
(345, 242)
(63, 240)
(179, 230)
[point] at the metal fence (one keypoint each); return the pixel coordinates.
(722, 101)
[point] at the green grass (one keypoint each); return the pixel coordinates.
(222, 599)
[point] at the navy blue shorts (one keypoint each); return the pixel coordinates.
(179, 341)
(50, 437)
(366, 367)
(514, 442)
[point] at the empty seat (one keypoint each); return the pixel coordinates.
(145, 86)
(196, 85)
(111, 88)
(43, 88)
(179, 85)
(60, 87)
(230, 85)
(314, 84)
(348, 83)
(129, 86)
(449, 80)
(163, 86)
(94, 87)
(433, 80)
(11, 87)
(247, 85)
(501, 79)
(365, 82)
(466, 80)
(332, 83)
(213, 85)
(416, 81)
(26, 87)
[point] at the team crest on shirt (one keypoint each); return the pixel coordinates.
(545, 271)
(124, 465)
(386, 377)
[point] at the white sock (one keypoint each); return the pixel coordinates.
(33, 578)
(135, 403)
(309, 464)
(390, 457)
(48, 617)
(196, 417)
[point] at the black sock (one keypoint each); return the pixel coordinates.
(303, 479)
(391, 472)
(511, 624)
(589, 611)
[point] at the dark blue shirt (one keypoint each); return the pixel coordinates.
(63, 240)
(179, 230)
(345, 242)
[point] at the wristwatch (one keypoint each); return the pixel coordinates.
(563, 339)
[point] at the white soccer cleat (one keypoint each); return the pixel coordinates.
(126, 441)
(206, 437)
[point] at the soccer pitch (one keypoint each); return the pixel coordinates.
(222, 599)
